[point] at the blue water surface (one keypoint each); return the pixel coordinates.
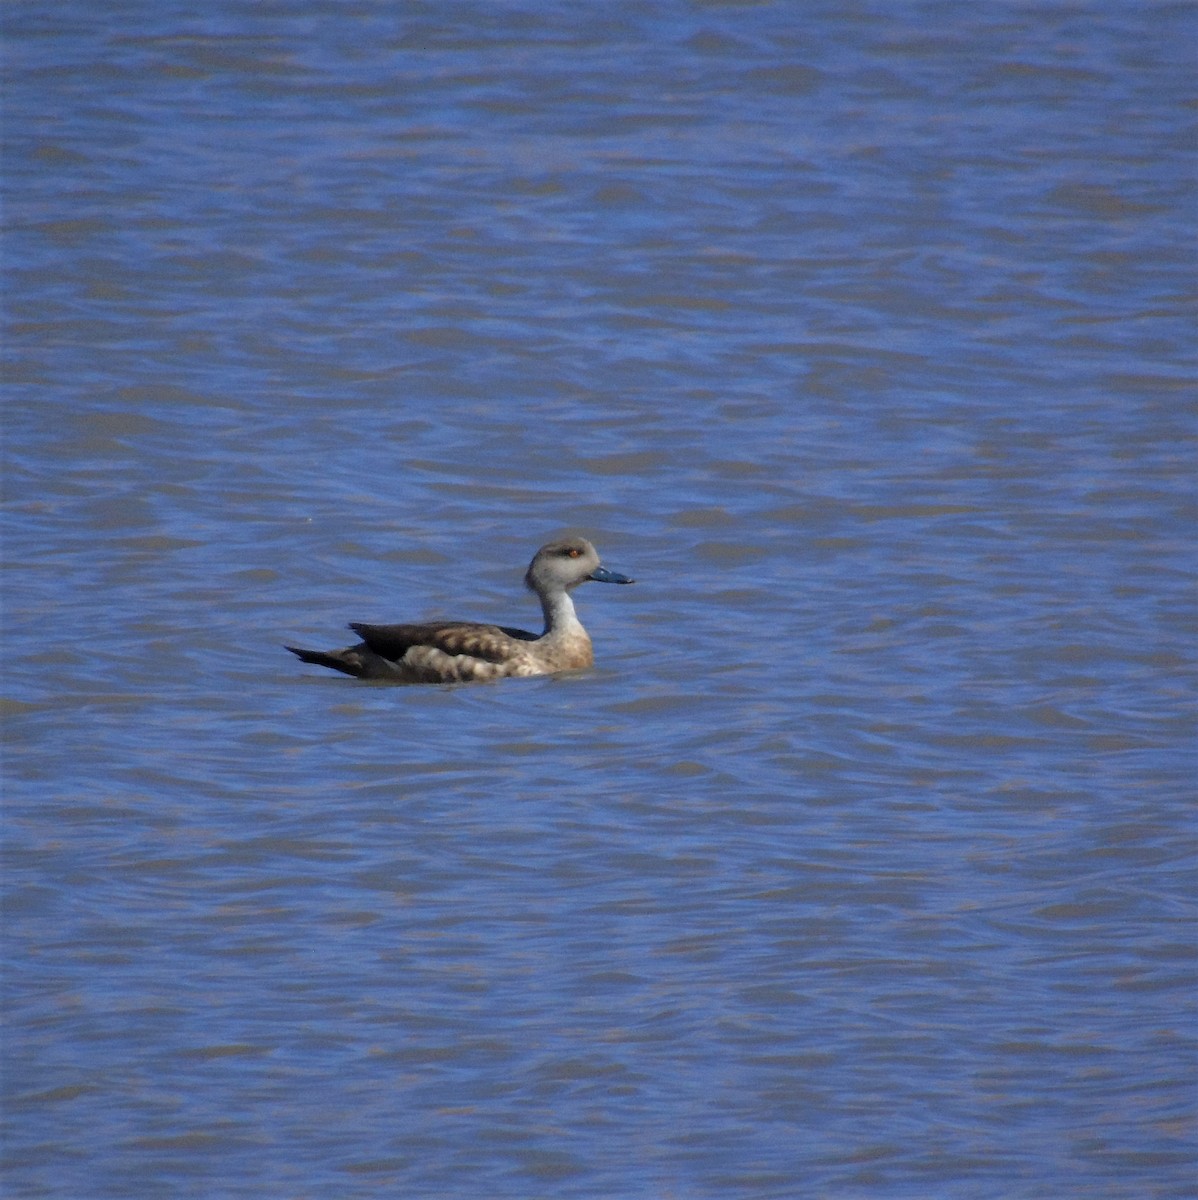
(862, 863)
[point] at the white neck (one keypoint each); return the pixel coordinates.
(560, 616)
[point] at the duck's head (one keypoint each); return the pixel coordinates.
(564, 564)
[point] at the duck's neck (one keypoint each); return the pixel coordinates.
(560, 617)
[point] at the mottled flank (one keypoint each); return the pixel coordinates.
(465, 651)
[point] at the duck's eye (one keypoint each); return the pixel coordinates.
(574, 552)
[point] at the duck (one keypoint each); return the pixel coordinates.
(471, 652)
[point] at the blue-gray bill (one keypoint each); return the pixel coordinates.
(603, 575)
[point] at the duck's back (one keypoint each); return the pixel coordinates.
(491, 643)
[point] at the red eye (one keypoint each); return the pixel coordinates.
(574, 553)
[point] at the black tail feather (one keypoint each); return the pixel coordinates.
(336, 660)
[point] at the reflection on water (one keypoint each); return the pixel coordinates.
(855, 866)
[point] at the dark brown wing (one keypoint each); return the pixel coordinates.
(492, 643)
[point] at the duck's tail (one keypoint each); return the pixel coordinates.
(345, 661)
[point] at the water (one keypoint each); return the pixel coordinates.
(861, 865)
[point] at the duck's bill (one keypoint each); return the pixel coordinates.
(603, 575)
